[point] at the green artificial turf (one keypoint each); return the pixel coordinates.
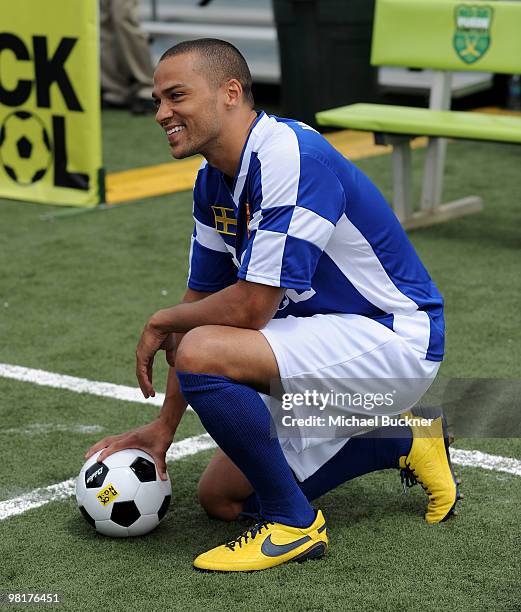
(382, 556)
(131, 141)
(74, 295)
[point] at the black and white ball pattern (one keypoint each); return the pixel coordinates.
(124, 495)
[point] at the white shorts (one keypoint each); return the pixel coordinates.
(349, 352)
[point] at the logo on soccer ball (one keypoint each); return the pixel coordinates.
(108, 495)
(25, 148)
(472, 36)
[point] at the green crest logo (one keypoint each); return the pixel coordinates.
(472, 36)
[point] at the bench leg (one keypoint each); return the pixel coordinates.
(431, 211)
(402, 180)
(444, 212)
(432, 188)
(402, 173)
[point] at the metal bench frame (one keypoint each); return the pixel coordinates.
(431, 208)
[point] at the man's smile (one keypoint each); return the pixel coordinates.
(173, 131)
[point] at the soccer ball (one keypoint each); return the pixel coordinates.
(25, 148)
(123, 496)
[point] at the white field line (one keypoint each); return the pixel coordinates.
(191, 446)
(178, 450)
(474, 458)
(78, 385)
(63, 490)
(37, 429)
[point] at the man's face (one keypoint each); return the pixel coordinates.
(188, 106)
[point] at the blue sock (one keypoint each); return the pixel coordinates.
(377, 450)
(239, 421)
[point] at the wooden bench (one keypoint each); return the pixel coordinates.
(444, 35)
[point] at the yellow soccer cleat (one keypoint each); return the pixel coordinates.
(266, 545)
(428, 463)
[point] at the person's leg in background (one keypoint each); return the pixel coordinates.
(114, 76)
(126, 63)
(134, 49)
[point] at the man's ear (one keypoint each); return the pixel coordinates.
(234, 92)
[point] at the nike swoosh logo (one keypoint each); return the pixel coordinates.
(276, 550)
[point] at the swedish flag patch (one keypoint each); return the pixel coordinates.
(225, 221)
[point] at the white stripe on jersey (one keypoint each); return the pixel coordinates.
(246, 158)
(266, 268)
(280, 189)
(190, 255)
(209, 237)
(353, 254)
(307, 225)
(255, 220)
(231, 249)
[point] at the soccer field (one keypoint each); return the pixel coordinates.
(74, 295)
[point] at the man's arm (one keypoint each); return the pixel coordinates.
(174, 403)
(155, 437)
(244, 304)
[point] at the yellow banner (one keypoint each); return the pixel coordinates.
(50, 127)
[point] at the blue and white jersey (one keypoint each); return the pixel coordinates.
(301, 216)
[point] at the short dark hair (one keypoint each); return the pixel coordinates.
(221, 62)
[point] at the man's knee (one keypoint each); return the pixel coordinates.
(215, 505)
(201, 351)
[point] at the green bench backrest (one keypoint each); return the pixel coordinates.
(448, 35)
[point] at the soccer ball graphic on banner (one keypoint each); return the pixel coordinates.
(25, 148)
(123, 496)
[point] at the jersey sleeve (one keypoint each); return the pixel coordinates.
(297, 201)
(211, 264)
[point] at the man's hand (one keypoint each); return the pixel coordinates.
(246, 305)
(169, 345)
(152, 340)
(154, 438)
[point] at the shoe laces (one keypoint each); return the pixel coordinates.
(409, 478)
(249, 534)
